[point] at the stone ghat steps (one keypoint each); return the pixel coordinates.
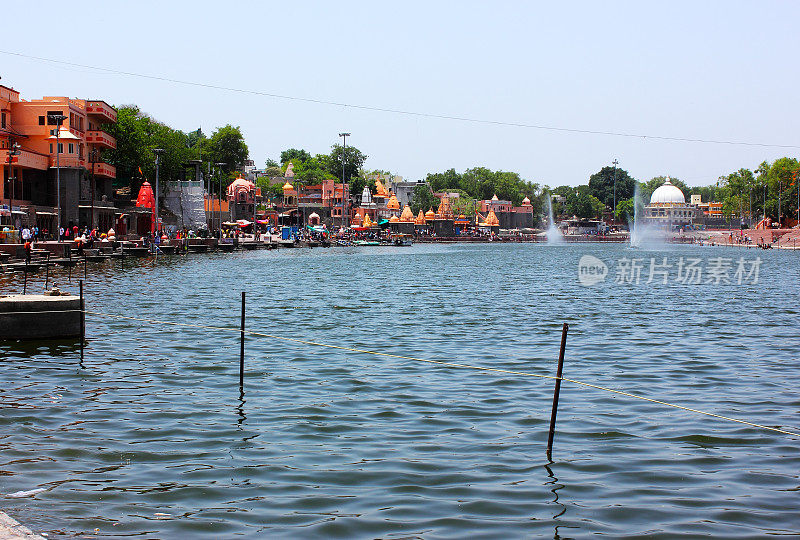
(758, 236)
(790, 239)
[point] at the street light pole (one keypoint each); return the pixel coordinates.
(614, 210)
(13, 150)
(92, 161)
(158, 152)
(219, 196)
(344, 152)
(797, 188)
(58, 118)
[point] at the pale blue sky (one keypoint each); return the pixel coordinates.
(708, 70)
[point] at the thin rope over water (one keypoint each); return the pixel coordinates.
(447, 364)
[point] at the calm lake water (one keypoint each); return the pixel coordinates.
(149, 436)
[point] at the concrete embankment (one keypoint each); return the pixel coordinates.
(37, 316)
(11, 529)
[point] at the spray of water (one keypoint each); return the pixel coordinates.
(554, 235)
(643, 235)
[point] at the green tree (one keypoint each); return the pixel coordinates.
(449, 179)
(137, 135)
(312, 170)
(294, 155)
(269, 190)
(601, 185)
(226, 145)
(625, 210)
(353, 161)
(463, 204)
(273, 172)
(423, 199)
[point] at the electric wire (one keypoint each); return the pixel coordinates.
(403, 112)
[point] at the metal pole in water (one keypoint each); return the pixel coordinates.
(84, 266)
(557, 390)
(25, 279)
(83, 321)
(241, 350)
(47, 271)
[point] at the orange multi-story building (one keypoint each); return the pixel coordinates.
(28, 193)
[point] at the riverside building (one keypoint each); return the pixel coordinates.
(668, 209)
(28, 190)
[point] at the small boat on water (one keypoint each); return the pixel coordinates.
(250, 245)
(227, 247)
(197, 248)
(167, 249)
(367, 243)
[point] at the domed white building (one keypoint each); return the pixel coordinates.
(668, 208)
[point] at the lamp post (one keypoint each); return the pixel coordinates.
(158, 152)
(12, 151)
(614, 210)
(58, 119)
(344, 151)
(92, 161)
(219, 196)
(797, 189)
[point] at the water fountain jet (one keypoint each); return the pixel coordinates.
(554, 236)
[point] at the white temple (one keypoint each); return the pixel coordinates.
(668, 208)
(366, 199)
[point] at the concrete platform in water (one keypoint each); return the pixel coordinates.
(10, 529)
(39, 316)
(167, 249)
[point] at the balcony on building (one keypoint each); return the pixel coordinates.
(105, 170)
(27, 159)
(101, 110)
(67, 161)
(101, 139)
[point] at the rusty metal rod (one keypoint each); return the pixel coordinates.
(557, 390)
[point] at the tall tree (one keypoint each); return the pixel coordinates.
(295, 156)
(137, 135)
(601, 185)
(226, 145)
(423, 198)
(353, 161)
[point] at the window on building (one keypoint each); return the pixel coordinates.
(41, 120)
(2, 120)
(71, 148)
(60, 148)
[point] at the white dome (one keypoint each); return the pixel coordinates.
(667, 194)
